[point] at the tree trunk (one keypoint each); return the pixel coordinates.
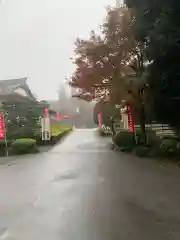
(142, 122)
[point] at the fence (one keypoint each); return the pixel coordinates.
(160, 129)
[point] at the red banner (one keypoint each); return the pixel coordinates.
(66, 116)
(46, 113)
(59, 116)
(130, 119)
(2, 127)
(100, 119)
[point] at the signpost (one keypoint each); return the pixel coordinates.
(45, 126)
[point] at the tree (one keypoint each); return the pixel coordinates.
(22, 118)
(157, 25)
(113, 63)
(107, 110)
(100, 60)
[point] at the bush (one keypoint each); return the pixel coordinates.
(152, 138)
(124, 139)
(168, 147)
(54, 139)
(24, 146)
(139, 137)
(141, 151)
(126, 149)
(154, 152)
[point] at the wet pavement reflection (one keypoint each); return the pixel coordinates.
(82, 190)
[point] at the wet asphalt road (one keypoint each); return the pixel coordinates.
(81, 190)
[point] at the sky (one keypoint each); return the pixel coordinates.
(37, 39)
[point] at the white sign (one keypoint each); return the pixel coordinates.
(45, 129)
(125, 121)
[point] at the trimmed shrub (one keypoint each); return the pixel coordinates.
(24, 146)
(126, 149)
(141, 151)
(124, 139)
(152, 138)
(139, 137)
(154, 152)
(164, 148)
(53, 140)
(168, 147)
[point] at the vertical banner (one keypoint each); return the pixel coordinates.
(2, 126)
(58, 115)
(100, 119)
(130, 120)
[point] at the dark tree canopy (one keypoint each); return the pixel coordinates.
(157, 23)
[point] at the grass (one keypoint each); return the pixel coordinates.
(57, 128)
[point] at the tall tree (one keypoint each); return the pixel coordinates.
(101, 60)
(158, 24)
(113, 63)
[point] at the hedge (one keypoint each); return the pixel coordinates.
(124, 139)
(24, 146)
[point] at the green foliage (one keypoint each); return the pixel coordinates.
(24, 146)
(108, 110)
(58, 130)
(152, 138)
(168, 147)
(22, 118)
(157, 25)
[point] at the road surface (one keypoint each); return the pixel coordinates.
(81, 190)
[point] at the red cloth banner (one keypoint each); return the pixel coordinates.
(59, 116)
(100, 119)
(46, 113)
(2, 127)
(66, 116)
(130, 119)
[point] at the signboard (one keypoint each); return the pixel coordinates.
(130, 120)
(45, 129)
(2, 126)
